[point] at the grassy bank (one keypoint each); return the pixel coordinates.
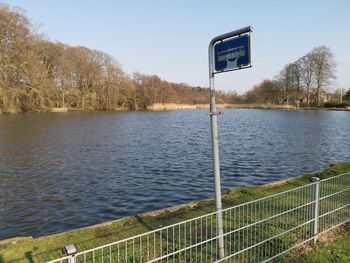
(331, 247)
(49, 247)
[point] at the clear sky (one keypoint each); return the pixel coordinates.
(170, 38)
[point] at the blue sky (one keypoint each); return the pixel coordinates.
(170, 38)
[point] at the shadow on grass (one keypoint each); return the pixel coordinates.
(56, 252)
(143, 223)
(29, 256)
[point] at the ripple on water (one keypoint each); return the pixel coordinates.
(59, 172)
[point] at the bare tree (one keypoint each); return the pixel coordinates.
(285, 81)
(324, 68)
(347, 95)
(306, 65)
(296, 75)
(36, 75)
(15, 49)
(266, 92)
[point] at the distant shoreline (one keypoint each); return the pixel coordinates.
(175, 106)
(178, 106)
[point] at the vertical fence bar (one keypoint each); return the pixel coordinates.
(72, 259)
(315, 199)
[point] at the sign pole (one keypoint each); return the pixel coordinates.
(216, 162)
(215, 133)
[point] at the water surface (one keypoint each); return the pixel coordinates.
(60, 171)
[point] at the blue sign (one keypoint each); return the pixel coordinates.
(232, 54)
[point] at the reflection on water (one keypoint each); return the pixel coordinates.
(68, 170)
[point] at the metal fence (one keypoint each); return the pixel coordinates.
(256, 231)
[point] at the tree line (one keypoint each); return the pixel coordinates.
(347, 95)
(36, 75)
(304, 81)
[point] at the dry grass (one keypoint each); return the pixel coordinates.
(63, 109)
(332, 246)
(176, 106)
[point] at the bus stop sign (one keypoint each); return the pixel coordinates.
(232, 54)
(226, 52)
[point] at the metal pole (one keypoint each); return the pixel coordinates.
(315, 198)
(215, 136)
(216, 163)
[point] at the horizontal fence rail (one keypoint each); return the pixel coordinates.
(256, 231)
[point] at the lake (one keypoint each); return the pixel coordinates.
(60, 171)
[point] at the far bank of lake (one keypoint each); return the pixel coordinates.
(179, 106)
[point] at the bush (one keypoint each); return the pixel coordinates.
(336, 104)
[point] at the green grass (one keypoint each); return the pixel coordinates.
(336, 249)
(49, 247)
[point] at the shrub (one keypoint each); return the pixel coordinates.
(336, 104)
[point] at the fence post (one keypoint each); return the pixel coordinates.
(70, 250)
(315, 199)
(71, 259)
